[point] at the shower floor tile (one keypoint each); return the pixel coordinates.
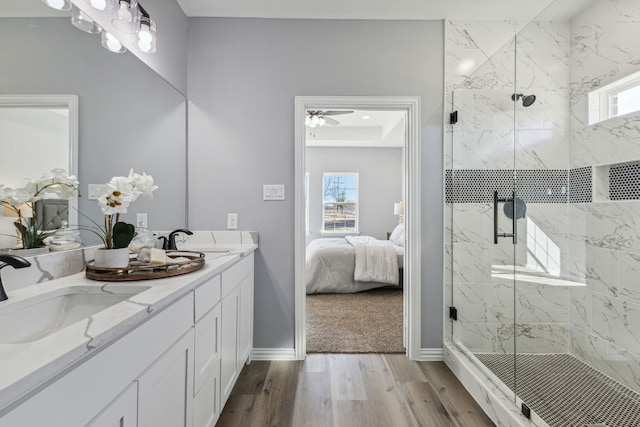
(564, 391)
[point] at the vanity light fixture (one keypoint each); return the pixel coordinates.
(101, 4)
(146, 33)
(58, 4)
(111, 43)
(125, 14)
(83, 22)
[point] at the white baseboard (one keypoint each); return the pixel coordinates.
(431, 354)
(426, 354)
(273, 354)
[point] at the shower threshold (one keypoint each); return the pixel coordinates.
(564, 391)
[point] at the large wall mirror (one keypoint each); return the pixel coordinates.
(39, 133)
(127, 115)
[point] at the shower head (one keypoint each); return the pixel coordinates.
(527, 100)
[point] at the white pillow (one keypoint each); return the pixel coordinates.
(397, 236)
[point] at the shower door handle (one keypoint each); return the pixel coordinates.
(514, 225)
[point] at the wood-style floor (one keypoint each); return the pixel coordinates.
(351, 390)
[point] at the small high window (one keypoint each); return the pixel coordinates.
(340, 202)
(615, 99)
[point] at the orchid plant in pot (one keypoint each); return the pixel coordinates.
(32, 231)
(116, 234)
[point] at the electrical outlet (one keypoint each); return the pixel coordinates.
(141, 220)
(232, 221)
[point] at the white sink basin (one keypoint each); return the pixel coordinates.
(30, 319)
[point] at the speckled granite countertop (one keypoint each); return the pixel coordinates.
(25, 365)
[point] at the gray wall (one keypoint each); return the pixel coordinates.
(379, 182)
(243, 75)
(129, 116)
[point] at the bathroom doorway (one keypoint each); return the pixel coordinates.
(322, 215)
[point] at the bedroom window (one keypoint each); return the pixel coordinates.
(340, 202)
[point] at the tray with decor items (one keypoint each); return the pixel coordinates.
(178, 262)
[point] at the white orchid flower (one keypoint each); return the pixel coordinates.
(113, 202)
(142, 184)
(14, 197)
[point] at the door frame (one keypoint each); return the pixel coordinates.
(413, 244)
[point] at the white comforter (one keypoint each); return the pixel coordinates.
(331, 267)
(375, 260)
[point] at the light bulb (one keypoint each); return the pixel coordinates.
(307, 121)
(144, 46)
(124, 14)
(58, 4)
(99, 4)
(144, 35)
(315, 120)
(111, 43)
(321, 122)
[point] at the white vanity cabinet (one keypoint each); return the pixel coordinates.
(206, 384)
(175, 369)
(122, 412)
(237, 323)
(165, 388)
(89, 391)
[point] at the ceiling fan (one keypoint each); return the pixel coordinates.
(316, 118)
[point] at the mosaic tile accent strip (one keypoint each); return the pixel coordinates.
(624, 181)
(580, 185)
(531, 185)
(565, 391)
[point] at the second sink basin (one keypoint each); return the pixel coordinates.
(30, 319)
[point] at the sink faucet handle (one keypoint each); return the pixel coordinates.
(165, 242)
(15, 262)
(172, 237)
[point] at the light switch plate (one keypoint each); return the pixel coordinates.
(273, 192)
(96, 190)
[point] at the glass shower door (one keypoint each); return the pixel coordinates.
(481, 235)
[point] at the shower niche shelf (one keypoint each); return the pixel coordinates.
(616, 181)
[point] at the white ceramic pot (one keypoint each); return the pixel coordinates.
(112, 258)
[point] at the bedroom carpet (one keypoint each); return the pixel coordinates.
(365, 322)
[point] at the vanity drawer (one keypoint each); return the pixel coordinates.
(207, 296)
(234, 275)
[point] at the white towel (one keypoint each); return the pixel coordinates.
(376, 261)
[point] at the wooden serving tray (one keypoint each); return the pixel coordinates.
(141, 271)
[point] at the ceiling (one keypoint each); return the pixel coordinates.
(380, 129)
(341, 9)
(368, 9)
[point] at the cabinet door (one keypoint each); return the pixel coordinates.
(207, 348)
(245, 330)
(122, 412)
(166, 388)
(206, 404)
(229, 343)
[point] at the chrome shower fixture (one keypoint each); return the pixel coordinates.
(527, 100)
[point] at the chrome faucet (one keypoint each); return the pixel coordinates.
(171, 242)
(15, 262)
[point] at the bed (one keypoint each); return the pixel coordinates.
(354, 264)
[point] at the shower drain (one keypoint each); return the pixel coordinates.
(564, 391)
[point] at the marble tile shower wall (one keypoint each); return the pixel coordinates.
(468, 45)
(482, 280)
(605, 315)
